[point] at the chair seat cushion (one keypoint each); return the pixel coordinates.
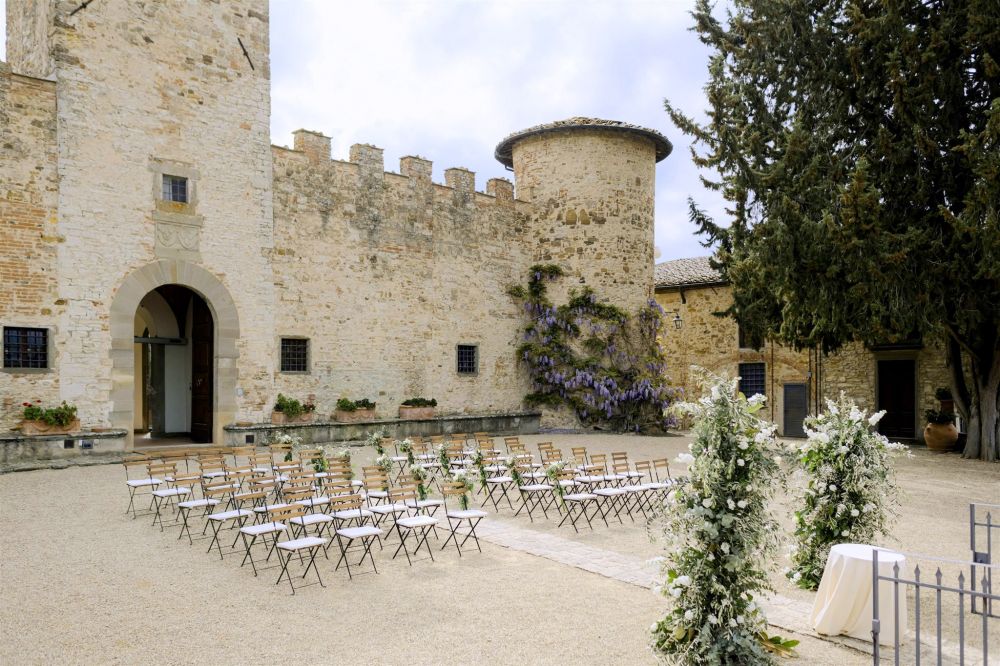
(398, 458)
(268, 507)
(386, 509)
(536, 487)
(352, 514)
(230, 515)
(500, 480)
(416, 521)
(378, 494)
(423, 504)
(567, 483)
(263, 528)
(142, 483)
(579, 497)
(261, 470)
(658, 485)
(172, 492)
(303, 542)
(591, 478)
(314, 501)
(213, 475)
(467, 514)
(312, 519)
(359, 532)
(197, 504)
(610, 492)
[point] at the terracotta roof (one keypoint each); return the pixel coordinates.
(685, 272)
(504, 151)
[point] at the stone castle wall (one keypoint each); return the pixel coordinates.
(29, 233)
(386, 273)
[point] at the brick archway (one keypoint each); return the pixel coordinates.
(227, 331)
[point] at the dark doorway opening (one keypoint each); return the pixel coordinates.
(796, 405)
(174, 365)
(897, 384)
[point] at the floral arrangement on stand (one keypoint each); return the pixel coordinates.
(462, 476)
(603, 363)
(419, 474)
(479, 462)
(294, 442)
(720, 536)
(514, 471)
(406, 448)
(443, 459)
(553, 473)
(374, 440)
(851, 492)
(384, 463)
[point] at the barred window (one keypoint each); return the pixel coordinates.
(468, 359)
(175, 188)
(753, 379)
(294, 355)
(25, 347)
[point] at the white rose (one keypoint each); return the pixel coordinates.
(730, 503)
(711, 557)
(842, 450)
(652, 627)
(867, 508)
(751, 607)
(875, 418)
(708, 502)
(740, 462)
(742, 504)
(675, 592)
(844, 533)
(833, 488)
(855, 513)
(732, 622)
(744, 446)
(796, 577)
(713, 620)
(689, 615)
(683, 580)
(740, 619)
(856, 414)
(725, 547)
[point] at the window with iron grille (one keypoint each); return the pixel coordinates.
(175, 188)
(753, 379)
(25, 347)
(468, 359)
(294, 355)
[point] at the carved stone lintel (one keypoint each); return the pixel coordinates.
(177, 241)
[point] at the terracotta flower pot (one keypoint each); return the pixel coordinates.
(940, 437)
(342, 416)
(43, 428)
(407, 412)
(280, 418)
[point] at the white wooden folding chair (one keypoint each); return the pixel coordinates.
(310, 545)
(413, 524)
(457, 517)
(349, 509)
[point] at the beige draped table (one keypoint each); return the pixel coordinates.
(843, 603)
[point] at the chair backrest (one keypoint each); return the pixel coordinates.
(375, 479)
(218, 490)
(337, 486)
(645, 468)
(661, 464)
(294, 493)
(161, 470)
(308, 455)
(135, 467)
(599, 461)
(619, 456)
(279, 449)
(550, 456)
(186, 480)
(619, 467)
(338, 467)
(452, 489)
(261, 459)
(579, 452)
(403, 492)
(265, 483)
(301, 476)
(517, 449)
(281, 514)
(543, 446)
(346, 503)
(512, 441)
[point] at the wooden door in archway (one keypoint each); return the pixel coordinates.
(202, 380)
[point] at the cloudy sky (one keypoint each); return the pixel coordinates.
(447, 79)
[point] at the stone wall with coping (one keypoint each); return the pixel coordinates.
(29, 229)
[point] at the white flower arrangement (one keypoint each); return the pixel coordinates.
(374, 440)
(850, 491)
(384, 463)
(719, 535)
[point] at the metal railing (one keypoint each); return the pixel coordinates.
(982, 557)
(940, 592)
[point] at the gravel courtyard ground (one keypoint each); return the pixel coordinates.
(82, 583)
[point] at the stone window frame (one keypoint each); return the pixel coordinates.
(174, 211)
(309, 355)
(742, 341)
(458, 371)
(50, 349)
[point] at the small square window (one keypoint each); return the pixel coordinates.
(294, 355)
(175, 188)
(753, 379)
(745, 341)
(25, 347)
(468, 359)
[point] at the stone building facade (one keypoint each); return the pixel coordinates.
(898, 378)
(182, 271)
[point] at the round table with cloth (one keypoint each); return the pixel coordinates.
(844, 600)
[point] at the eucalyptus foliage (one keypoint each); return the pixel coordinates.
(856, 145)
(851, 493)
(720, 537)
(593, 357)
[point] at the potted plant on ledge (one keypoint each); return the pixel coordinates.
(49, 421)
(417, 408)
(289, 410)
(940, 433)
(349, 411)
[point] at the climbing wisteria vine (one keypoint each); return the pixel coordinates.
(593, 357)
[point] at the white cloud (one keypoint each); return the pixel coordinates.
(447, 79)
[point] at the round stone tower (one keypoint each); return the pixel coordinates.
(592, 183)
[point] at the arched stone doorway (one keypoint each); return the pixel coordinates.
(133, 304)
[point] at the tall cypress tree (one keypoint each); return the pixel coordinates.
(856, 143)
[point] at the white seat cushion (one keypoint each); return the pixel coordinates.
(262, 470)
(495, 468)
(610, 492)
(378, 494)
(268, 507)
(359, 532)
(263, 528)
(314, 501)
(567, 483)
(398, 458)
(213, 475)
(423, 504)
(197, 504)
(657, 485)
(536, 487)
(230, 515)
(172, 492)
(141, 483)
(352, 514)
(386, 509)
(579, 497)
(304, 542)
(500, 480)
(416, 521)
(591, 478)
(467, 514)
(312, 519)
